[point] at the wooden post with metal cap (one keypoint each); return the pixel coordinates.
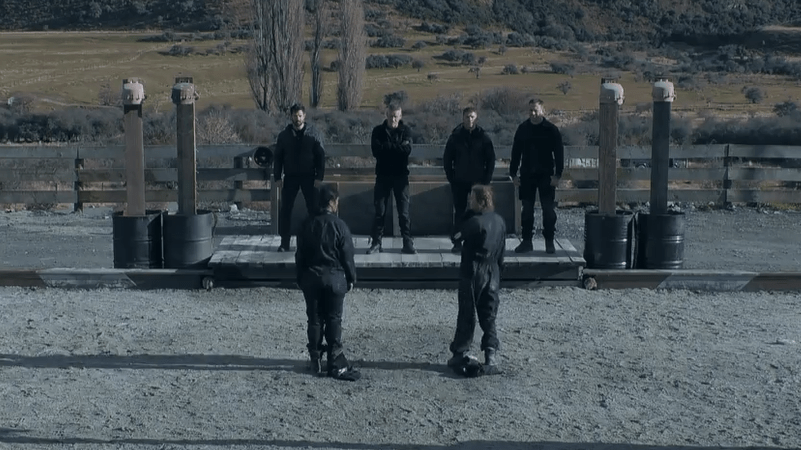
(184, 96)
(610, 100)
(133, 94)
(663, 96)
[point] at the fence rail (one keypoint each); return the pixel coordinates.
(76, 174)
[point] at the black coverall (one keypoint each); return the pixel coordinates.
(324, 268)
(539, 152)
(301, 157)
(483, 239)
(391, 149)
(469, 159)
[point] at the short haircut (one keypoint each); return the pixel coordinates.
(483, 194)
(535, 101)
(326, 194)
(392, 107)
(297, 107)
(468, 110)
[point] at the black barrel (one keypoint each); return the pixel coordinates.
(608, 240)
(188, 241)
(660, 241)
(137, 240)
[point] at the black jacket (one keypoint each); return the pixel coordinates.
(391, 149)
(325, 247)
(537, 150)
(299, 153)
(483, 237)
(469, 156)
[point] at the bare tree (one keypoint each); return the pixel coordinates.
(274, 62)
(320, 30)
(352, 54)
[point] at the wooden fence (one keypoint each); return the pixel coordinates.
(76, 174)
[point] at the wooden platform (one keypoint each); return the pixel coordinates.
(254, 260)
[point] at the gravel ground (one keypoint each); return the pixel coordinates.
(751, 239)
(593, 370)
(584, 370)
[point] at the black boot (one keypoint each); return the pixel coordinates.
(525, 246)
(456, 359)
(316, 362)
(491, 362)
(408, 247)
(375, 246)
(549, 247)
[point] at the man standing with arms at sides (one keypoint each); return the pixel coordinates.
(469, 160)
(539, 152)
(391, 146)
(325, 273)
(483, 241)
(300, 156)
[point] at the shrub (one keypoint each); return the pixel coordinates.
(564, 87)
(389, 41)
(753, 94)
(419, 45)
(510, 69)
(786, 108)
(418, 64)
(563, 68)
(502, 100)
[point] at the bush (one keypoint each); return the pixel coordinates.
(753, 94)
(564, 87)
(510, 69)
(419, 45)
(786, 108)
(502, 100)
(387, 61)
(418, 64)
(389, 41)
(563, 68)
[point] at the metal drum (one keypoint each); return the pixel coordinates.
(137, 240)
(188, 240)
(660, 241)
(608, 240)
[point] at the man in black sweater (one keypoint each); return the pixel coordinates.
(300, 157)
(469, 160)
(391, 145)
(325, 272)
(539, 152)
(483, 239)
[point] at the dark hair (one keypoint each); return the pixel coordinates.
(468, 110)
(326, 194)
(483, 194)
(297, 107)
(393, 106)
(535, 101)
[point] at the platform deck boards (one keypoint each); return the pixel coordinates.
(255, 258)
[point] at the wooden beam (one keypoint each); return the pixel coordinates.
(184, 95)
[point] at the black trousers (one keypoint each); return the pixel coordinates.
(529, 186)
(293, 184)
(325, 300)
(384, 186)
(460, 192)
(478, 295)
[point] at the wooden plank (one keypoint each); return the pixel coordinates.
(38, 152)
(641, 195)
(35, 197)
(763, 174)
(607, 156)
(134, 161)
(64, 174)
(676, 152)
(634, 174)
(763, 196)
(171, 175)
(765, 151)
(218, 195)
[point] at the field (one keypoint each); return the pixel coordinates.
(69, 68)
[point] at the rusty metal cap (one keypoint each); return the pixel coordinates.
(184, 93)
(663, 91)
(133, 92)
(611, 92)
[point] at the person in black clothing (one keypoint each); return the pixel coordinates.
(483, 238)
(391, 146)
(300, 156)
(469, 160)
(325, 273)
(539, 152)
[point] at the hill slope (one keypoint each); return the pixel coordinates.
(583, 20)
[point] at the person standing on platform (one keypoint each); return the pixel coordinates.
(469, 160)
(300, 158)
(539, 153)
(483, 242)
(325, 272)
(391, 145)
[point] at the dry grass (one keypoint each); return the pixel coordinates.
(70, 67)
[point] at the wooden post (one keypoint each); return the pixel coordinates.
(610, 99)
(184, 96)
(77, 185)
(663, 96)
(239, 163)
(133, 93)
